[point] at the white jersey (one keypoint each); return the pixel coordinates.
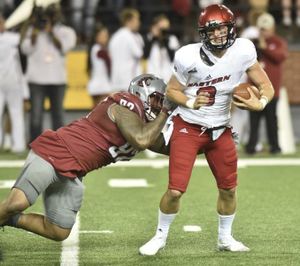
(126, 50)
(218, 79)
(99, 82)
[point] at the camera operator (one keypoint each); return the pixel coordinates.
(45, 42)
(160, 47)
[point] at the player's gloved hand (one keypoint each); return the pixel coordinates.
(168, 106)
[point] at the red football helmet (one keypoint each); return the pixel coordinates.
(212, 17)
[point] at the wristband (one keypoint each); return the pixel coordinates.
(190, 103)
(264, 101)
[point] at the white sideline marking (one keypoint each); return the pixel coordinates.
(96, 232)
(70, 246)
(192, 228)
(7, 183)
(128, 183)
(11, 163)
(159, 163)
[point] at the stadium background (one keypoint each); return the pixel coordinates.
(268, 216)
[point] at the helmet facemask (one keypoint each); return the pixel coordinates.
(227, 39)
(153, 105)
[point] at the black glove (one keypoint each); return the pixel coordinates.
(168, 106)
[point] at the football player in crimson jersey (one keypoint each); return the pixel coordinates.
(204, 77)
(116, 129)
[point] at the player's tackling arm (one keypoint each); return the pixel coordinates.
(159, 146)
(174, 92)
(139, 134)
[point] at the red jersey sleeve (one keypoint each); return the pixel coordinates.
(90, 142)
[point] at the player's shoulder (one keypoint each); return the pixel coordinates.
(130, 101)
(188, 52)
(242, 44)
(189, 48)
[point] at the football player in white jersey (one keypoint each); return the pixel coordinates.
(203, 79)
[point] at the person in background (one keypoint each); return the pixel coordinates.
(126, 50)
(160, 47)
(12, 84)
(99, 66)
(159, 51)
(287, 7)
(272, 50)
(82, 16)
(45, 44)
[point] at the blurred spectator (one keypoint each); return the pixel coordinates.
(272, 51)
(83, 17)
(182, 7)
(99, 66)
(6, 6)
(160, 47)
(239, 117)
(257, 7)
(45, 43)
(12, 83)
(287, 8)
(126, 50)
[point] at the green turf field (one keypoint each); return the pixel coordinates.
(268, 221)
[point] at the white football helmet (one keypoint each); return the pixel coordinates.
(151, 90)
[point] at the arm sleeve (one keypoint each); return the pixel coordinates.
(250, 56)
(172, 46)
(26, 46)
(66, 36)
(136, 45)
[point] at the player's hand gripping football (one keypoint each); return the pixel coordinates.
(253, 103)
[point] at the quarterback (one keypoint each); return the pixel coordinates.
(204, 77)
(115, 130)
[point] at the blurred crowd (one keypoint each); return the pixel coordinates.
(118, 35)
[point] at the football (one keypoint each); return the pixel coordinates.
(241, 90)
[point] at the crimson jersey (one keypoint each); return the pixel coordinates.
(90, 142)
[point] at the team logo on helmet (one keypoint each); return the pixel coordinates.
(146, 80)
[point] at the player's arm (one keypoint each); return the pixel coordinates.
(174, 92)
(138, 133)
(159, 146)
(260, 79)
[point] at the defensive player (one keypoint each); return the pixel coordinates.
(116, 129)
(202, 83)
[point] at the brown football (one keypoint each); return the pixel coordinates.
(241, 90)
